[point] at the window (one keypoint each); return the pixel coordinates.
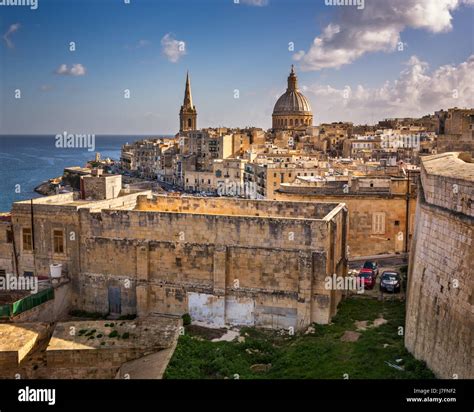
(397, 223)
(9, 236)
(58, 241)
(378, 223)
(27, 239)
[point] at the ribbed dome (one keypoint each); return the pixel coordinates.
(292, 101)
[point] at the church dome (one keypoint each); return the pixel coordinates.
(292, 101)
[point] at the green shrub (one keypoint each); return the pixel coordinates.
(186, 319)
(113, 334)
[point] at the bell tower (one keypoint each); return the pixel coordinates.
(188, 113)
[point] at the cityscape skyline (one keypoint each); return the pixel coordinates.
(353, 65)
(236, 190)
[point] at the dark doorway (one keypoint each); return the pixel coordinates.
(114, 300)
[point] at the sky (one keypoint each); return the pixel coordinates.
(362, 62)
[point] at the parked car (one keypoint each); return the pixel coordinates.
(368, 277)
(370, 264)
(390, 281)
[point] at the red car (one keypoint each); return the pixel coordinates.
(368, 276)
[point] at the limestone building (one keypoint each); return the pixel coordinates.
(224, 261)
(439, 321)
(381, 209)
(456, 130)
(188, 112)
(292, 110)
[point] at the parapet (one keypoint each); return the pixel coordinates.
(235, 207)
(447, 181)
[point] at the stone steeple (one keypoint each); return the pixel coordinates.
(188, 113)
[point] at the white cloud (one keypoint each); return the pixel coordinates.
(6, 37)
(416, 92)
(74, 70)
(375, 28)
(173, 49)
(257, 3)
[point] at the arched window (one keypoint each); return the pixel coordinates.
(190, 122)
(291, 122)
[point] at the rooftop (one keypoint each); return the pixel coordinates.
(452, 164)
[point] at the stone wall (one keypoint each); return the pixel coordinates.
(60, 212)
(439, 322)
(102, 187)
(222, 269)
(236, 207)
(222, 260)
(51, 310)
(6, 248)
(362, 239)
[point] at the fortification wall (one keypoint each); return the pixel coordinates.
(439, 323)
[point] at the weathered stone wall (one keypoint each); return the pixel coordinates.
(51, 213)
(221, 268)
(236, 207)
(362, 240)
(6, 248)
(439, 322)
(222, 260)
(50, 311)
(102, 187)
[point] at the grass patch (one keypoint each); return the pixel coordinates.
(319, 355)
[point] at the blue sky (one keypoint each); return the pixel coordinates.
(227, 46)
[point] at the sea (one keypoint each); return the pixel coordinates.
(27, 161)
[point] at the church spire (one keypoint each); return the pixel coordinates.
(188, 113)
(188, 98)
